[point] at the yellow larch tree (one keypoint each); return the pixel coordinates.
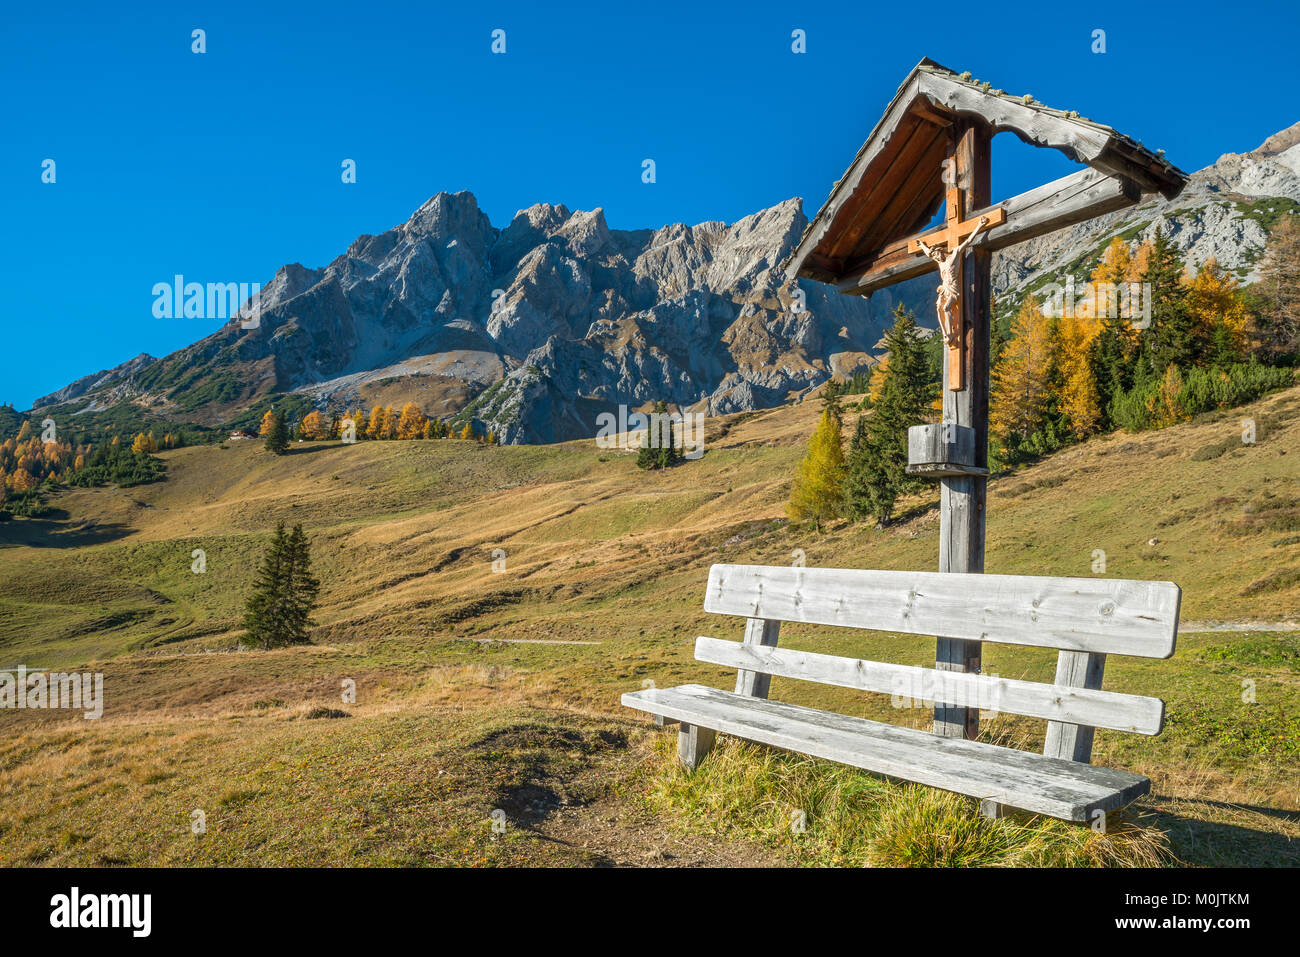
(410, 425)
(1215, 300)
(1022, 377)
(314, 426)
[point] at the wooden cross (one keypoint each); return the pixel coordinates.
(955, 230)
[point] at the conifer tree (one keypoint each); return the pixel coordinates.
(1113, 355)
(278, 612)
(301, 587)
(877, 462)
(659, 448)
(1169, 336)
(277, 436)
(830, 396)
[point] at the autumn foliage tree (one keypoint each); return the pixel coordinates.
(144, 442)
(1220, 322)
(410, 425)
(1022, 380)
(314, 426)
(818, 492)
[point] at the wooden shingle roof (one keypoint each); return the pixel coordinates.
(894, 186)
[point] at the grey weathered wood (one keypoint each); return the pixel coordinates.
(1064, 202)
(1073, 703)
(1087, 142)
(1101, 615)
(962, 497)
(1063, 789)
(941, 471)
(759, 632)
(939, 447)
(693, 742)
(1073, 740)
(992, 809)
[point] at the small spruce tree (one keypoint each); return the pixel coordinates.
(659, 447)
(877, 462)
(278, 612)
(277, 435)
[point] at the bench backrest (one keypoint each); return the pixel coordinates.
(1085, 618)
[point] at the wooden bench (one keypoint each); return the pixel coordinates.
(1085, 618)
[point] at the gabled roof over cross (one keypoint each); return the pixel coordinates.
(864, 237)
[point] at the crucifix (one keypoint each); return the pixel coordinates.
(933, 146)
(957, 236)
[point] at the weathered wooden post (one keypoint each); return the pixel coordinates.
(962, 497)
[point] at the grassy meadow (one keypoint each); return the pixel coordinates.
(482, 688)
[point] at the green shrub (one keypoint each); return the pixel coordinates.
(117, 465)
(1204, 390)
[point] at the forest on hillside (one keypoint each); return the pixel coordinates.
(1150, 342)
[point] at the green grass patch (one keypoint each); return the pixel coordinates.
(826, 814)
(1261, 651)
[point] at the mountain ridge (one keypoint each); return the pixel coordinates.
(533, 329)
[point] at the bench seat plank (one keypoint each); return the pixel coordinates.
(1062, 789)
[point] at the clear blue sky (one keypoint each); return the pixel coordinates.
(224, 166)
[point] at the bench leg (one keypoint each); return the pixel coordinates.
(693, 743)
(992, 810)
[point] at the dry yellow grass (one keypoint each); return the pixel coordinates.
(448, 654)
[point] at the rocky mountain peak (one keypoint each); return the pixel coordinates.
(536, 328)
(1279, 142)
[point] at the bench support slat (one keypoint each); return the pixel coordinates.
(992, 809)
(764, 632)
(1074, 669)
(954, 721)
(693, 743)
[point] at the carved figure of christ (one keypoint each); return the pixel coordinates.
(949, 297)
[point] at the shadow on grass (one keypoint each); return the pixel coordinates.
(48, 533)
(1218, 844)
